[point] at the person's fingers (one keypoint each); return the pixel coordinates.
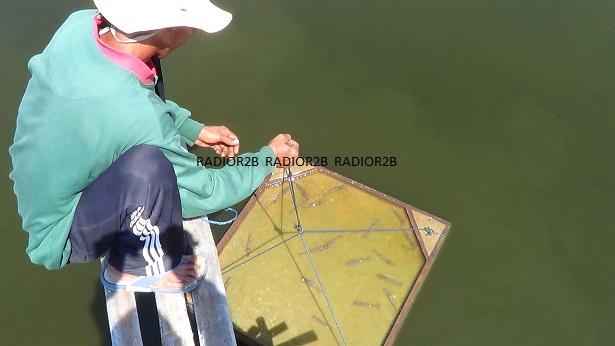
(282, 138)
(184, 279)
(232, 135)
(226, 136)
(218, 134)
(174, 278)
(189, 259)
(197, 270)
(291, 148)
(220, 150)
(185, 270)
(294, 145)
(231, 141)
(190, 269)
(292, 152)
(187, 278)
(227, 151)
(284, 146)
(217, 149)
(189, 282)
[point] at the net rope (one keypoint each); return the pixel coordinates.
(309, 255)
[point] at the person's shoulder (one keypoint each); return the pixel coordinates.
(71, 64)
(81, 15)
(77, 19)
(74, 28)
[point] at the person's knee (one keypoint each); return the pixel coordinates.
(146, 164)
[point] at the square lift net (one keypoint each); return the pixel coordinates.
(318, 258)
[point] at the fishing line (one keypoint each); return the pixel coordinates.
(307, 251)
(259, 254)
(427, 230)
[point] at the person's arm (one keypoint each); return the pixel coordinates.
(223, 141)
(203, 190)
(187, 127)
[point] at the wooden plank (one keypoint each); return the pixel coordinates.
(213, 319)
(123, 319)
(175, 327)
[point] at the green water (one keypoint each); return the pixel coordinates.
(500, 114)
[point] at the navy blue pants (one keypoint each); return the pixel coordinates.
(132, 213)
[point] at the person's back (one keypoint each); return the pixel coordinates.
(66, 135)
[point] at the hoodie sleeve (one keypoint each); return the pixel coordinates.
(187, 127)
(202, 190)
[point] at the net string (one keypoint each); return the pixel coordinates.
(259, 254)
(309, 255)
(427, 231)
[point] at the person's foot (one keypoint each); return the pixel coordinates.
(180, 277)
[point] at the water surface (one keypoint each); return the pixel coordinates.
(500, 115)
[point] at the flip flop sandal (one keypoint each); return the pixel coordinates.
(145, 283)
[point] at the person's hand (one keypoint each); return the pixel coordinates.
(224, 142)
(284, 146)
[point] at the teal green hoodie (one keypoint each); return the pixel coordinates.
(79, 113)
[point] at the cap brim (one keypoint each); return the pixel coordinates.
(146, 15)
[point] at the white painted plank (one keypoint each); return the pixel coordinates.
(175, 327)
(210, 306)
(209, 298)
(123, 319)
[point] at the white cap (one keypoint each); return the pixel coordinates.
(144, 15)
